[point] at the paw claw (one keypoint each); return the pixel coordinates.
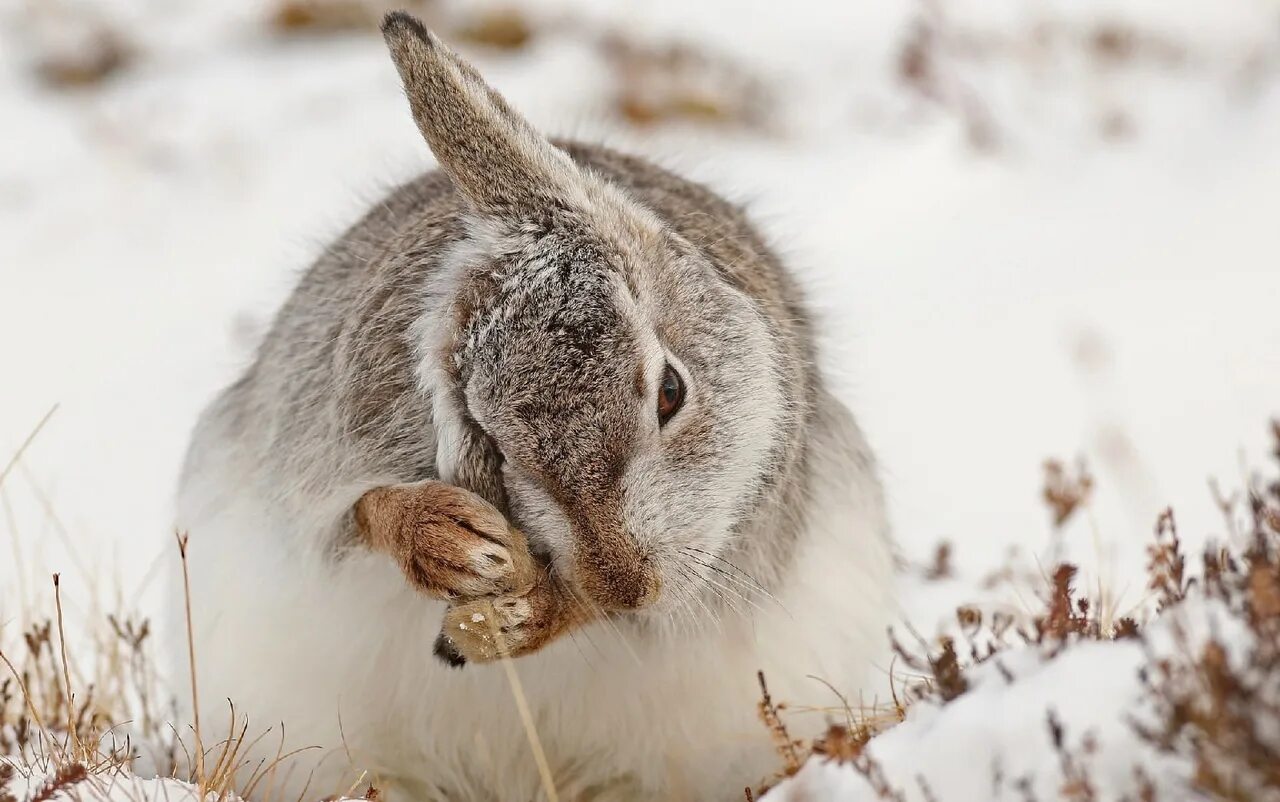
(493, 562)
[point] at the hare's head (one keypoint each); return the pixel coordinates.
(594, 372)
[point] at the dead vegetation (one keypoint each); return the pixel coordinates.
(940, 566)
(69, 732)
(650, 82)
(1219, 705)
(966, 69)
(103, 53)
(989, 79)
(58, 728)
(1215, 702)
(1065, 491)
(497, 27)
(52, 725)
(73, 46)
(502, 28)
(291, 18)
(679, 82)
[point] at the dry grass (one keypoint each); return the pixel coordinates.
(58, 734)
(49, 725)
(945, 60)
(74, 46)
(503, 28)
(680, 82)
(652, 83)
(58, 737)
(79, 714)
(293, 18)
(1217, 704)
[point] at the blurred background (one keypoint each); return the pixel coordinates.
(1034, 230)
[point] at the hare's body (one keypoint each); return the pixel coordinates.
(298, 624)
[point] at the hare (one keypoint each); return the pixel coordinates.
(550, 403)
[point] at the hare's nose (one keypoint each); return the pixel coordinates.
(614, 573)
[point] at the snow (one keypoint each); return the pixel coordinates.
(992, 742)
(1064, 295)
(120, 787)
(995, 742)
(1070, 292)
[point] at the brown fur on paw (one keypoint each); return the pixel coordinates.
(449, 542)
(483, 630)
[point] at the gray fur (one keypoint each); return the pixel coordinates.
(494, 324)
(333, 399)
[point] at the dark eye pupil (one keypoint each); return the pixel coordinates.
(670, 394)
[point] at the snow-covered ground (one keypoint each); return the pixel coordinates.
(1052, 234)
(114, 787)
(1066, 293)
(117, 788)
(997, 741)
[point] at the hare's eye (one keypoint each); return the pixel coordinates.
(670, 394)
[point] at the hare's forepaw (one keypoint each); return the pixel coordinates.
(484, 630)
(450, 543)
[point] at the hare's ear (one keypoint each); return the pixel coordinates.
(494, 156)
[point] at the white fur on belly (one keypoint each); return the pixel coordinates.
(291, 637)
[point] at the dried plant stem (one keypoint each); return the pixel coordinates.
(183, 539)
(26, 696)
(782, 740)
(17, 455)
(66, 671)
(526, 717)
